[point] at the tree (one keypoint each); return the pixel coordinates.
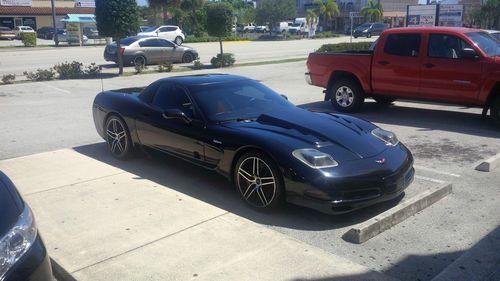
(191, 7)
(117, 19)
(328, 9)
(274, 11)
(312, 20)
(373, 12)
(219, 21)
(246, 15)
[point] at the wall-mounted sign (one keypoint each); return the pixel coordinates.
(421, 15)
(451, 15)
(85, 3)
(16, 3)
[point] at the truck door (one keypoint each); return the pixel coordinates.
(446, 74)
(395, 67)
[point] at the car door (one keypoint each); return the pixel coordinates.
(395, 67)
(167, 32)
(169, 51)
(152, 49)
(446, 74)
(172, 136)
(379, 27)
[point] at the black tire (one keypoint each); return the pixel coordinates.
(355, 36)
(262, 190)
(384, 100)
(369, 35)
(346, 95)
(178, 40)
(188, 57)
(118, 137)
(140, 59)
(495, 112)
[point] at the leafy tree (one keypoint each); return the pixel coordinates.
(246, 15)
(219, 21)
(117, 19)
(192, 8)
(327, 10)
(490, 14)
(274, 11)
(373, 12)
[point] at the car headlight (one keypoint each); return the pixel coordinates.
(389, 138)
(366, 30)
(314, 158)
(17, 241)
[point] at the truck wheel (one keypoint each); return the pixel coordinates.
(384, 100)
(495, 111)
(347, 95)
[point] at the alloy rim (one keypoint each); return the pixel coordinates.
(117, 136)
(256, 182)
(139, 60)
(178, 41)
(188, 58)
(344, 96)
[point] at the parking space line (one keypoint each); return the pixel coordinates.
(436, 171)
(429, 179)
(56, 88)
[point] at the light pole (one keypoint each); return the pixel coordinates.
(54, 24)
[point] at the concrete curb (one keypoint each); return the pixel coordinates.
(365, 231)
(60, 273)
(489, 164)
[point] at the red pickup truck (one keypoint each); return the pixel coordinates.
(442, 64)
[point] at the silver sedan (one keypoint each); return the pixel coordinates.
(149, 50)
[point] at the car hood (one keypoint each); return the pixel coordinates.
(345, 137)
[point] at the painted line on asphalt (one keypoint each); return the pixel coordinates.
(56, 88)
(364, 231)
(429, 179)
(436, 171)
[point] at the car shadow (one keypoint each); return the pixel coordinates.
(428, 119)
(214, 189)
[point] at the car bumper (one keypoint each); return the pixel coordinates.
(7, 36)
(34, 265)
(343, 194)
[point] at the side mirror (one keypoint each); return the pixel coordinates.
(469, 53)
(285, 97)
(176, 114)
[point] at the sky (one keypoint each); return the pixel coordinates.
(142, 2)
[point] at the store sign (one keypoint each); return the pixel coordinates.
(16, 3)
(73, 32)
(421, 15)
(451, 15)
(85, 3)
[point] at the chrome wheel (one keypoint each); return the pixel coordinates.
(139, 60)
(256, 182)
(117, 138)
(344, 96)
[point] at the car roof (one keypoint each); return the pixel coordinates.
(189, 80)
(453, 30)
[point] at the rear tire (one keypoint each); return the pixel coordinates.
(495, 112)
(118, 138)
(384, 100)
(140, 60)
(178, 40)
(346, 95)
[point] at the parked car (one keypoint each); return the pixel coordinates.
(494, 33)
(62, 36)
(442, 64)
(46, 32)
(7, 33)
(261, 28)
(23, 255)
(368, 29)
(91, 32)
(23, 29)
(149, 50)
(170, 32)
(270, 149)
(249, 27)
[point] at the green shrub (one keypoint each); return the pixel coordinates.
(29, 39)
(326, 34)
(40, 75)
(8, 78)
(92, 70)
(222, 61)
(280, 37)
(191, 39)
(197, 64)
(165, 66)
(67, 70)
(358, 46)
(139, 68)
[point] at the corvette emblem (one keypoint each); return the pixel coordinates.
(380, 161)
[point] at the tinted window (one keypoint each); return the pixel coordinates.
(403, 45)
(171, 96)
(167, 29)
(446, 46)
(150, 43)
(148, 94)
(4, 29)
(165, 43)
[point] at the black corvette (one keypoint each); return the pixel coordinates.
(272, 150)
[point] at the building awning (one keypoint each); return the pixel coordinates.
(43, 11)
(79, 18)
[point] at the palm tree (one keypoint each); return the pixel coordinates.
(327, 9)
(311, 19)
(373, 12)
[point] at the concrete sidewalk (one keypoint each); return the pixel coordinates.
(102, 223)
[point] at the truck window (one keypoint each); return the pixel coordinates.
(403, 44)
(446, 46)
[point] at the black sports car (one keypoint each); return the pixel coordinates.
(271, 149)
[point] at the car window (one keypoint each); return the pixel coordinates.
(171, 96)
(167, 29)
(446, 46)
(403, 44)
(165, 43)
(149, 92)
(153, 42)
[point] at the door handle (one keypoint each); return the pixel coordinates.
(383, 62)
(429, 65)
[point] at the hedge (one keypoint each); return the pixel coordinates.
(29, 39)
(358, 46)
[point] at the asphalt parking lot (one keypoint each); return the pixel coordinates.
(446, 141)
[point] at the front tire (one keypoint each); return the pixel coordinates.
(188, 57)
(369, 35)
(259, 181)
(384, 100)
(495, 112)
(347, 95)
(118, 138)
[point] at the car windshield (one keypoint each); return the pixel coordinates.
(129, 40)
(150, 29)
(364, 26)
(237, 100)
(486, 42)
